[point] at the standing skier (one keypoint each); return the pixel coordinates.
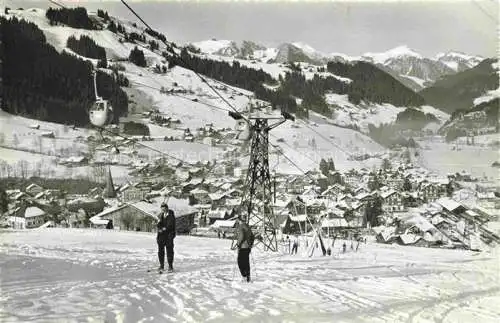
(165, 237)
(295, 245)
(244, 245)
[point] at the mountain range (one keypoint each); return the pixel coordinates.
(342, 89)
(408, 66)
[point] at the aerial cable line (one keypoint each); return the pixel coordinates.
(495, 20)
(278, 149)
(180, 96)
(180, 58)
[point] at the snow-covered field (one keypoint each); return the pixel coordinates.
(69, 275)
(444, 158)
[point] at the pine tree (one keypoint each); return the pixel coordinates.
(137, 57)
(4, 201)
(110, 188)
(331, 165)
(386, 164)
(407, 185)
(103, 63)
(323, 167)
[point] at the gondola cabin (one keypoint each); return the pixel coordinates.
(101, 113)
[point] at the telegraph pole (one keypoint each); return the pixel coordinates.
(257, 200)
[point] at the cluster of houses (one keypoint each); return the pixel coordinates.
(403, 204)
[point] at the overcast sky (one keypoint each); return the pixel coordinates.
(349, 27)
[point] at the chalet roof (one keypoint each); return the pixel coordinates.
(419, 221)
(33, 211)
(232, 202)
(362, 196)
(336, 211)
(215, 196)
(409, 238)
(224, 224)
(33, 185)
(195, 181)
(218, 214)
(108, 211)
(334, 223)
(151, 209)
(298, 218)
(386, 194)
(356, 205)
(76, 159)
(98, 221)
(198, 191)
(448, 204)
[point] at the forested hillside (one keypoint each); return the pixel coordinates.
(368, 83)
(74, 17)
(39, 82)
(458, 91)
(372, 84)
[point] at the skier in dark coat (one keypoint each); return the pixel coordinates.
(244, 244)
(165, 237)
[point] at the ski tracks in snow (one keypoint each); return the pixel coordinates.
(381, 285)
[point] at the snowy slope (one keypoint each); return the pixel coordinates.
(57, 36)
(444, 158)
(311, 142)
(76, 275)
(488, 96)
(345, 113)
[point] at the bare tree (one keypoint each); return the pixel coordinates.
(23, 168)
(37, 144)
(3, 168)
(38, 169)
(97, 173)
(2, 138)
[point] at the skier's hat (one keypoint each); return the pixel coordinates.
(164, 205)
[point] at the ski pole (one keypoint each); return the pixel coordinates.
(253, 262)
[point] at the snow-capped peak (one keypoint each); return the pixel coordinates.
(453, 54)
(306, 48)
(456, 59)
(212, 46)
(397, 52)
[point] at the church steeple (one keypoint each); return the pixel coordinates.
(109, 192)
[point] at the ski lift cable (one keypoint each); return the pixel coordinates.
(495, 20)
(180, 96)
(210, 86)
(327, 140)
(278, 149)
(180, 58)
(145, 146)
(58, 4)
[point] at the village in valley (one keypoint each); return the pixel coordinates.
(355, 181)
(396, 202)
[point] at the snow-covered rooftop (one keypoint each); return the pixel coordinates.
(33, 211)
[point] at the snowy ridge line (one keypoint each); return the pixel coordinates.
(180, 58)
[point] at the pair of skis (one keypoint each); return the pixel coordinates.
(161, 271)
